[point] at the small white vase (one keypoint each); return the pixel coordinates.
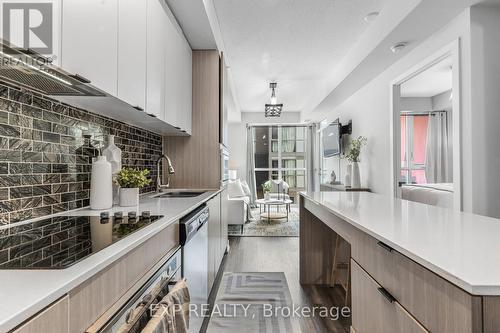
(347, 178)
(113, 154)
(129, 197)
(356, 177)
(101, 187)
(267, 196)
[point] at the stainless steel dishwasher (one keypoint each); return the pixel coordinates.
(194, 241)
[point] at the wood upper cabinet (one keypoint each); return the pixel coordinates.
(90, 41)
(132, 48)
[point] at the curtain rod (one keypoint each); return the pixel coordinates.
(280, 125)
(421, 113)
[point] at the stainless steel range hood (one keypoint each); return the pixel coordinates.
(33, 71)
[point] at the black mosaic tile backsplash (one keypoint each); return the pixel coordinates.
(46, 151)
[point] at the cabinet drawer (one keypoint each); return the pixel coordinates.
(439, 305)
(372, 312)
(91, 299)
(53, 319)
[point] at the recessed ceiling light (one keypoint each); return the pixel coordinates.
(371, 17)
(398, 47)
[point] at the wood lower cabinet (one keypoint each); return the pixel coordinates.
(422, 300)
(439, 305)
(372, 312)
(53, 319)
(217, 238)
(91, 299)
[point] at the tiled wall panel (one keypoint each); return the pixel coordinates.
(46, 150)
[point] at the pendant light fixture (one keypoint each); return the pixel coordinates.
(273, 109)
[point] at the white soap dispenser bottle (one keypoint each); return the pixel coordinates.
(101, 188)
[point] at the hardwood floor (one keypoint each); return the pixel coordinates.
(281, 254)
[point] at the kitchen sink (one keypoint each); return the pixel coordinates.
(180, 194)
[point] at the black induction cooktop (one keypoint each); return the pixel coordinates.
(62, 241)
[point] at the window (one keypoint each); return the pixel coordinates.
(280, 154)
(413, 148)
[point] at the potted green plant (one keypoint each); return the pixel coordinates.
(266, 188)
(353, 157)
(131, 181)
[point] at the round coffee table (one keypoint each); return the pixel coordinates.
(267, 204)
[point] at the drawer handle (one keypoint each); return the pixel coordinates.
(385, 246)
(138, 108)
(387, 295)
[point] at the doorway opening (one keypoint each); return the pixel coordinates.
(426, 145)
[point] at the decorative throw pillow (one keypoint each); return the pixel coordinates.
(234, 189)
(246, 188)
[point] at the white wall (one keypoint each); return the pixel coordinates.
(238, 136)
(485, 117)
(477, 28)
(416, 103)
(442, 101)
(370, 107)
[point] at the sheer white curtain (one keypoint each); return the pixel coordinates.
(438, 163)
(251, 165)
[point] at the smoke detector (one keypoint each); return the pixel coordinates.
(398, 47)
(370, 17)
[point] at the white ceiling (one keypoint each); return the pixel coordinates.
(431, 82)
(192, 18)
(296, 43)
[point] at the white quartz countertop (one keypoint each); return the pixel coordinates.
(460, 247)
(23, 293)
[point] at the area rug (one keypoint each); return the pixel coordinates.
(258, 227)
(252, 302)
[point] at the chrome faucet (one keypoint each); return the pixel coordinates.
(170, 171)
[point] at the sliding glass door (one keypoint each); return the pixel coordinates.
(280, 153)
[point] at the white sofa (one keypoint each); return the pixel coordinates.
(440, 195)
(237, 204)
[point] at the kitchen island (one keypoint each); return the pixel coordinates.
(125, 264)
(412, 267)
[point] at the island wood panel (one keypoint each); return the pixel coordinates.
(91, 299)
(491, 314)
(53, 319)
(373, 313)
(316, 248)
(196, 158)
(438, 304)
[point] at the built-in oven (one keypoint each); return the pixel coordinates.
(224, 164)
(135, 314)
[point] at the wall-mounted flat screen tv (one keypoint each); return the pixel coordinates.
(331, 139)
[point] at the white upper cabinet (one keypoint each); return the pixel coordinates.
(132, 52)
(156, 55)
(89, 44)
(178, 80)
(186, 80)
